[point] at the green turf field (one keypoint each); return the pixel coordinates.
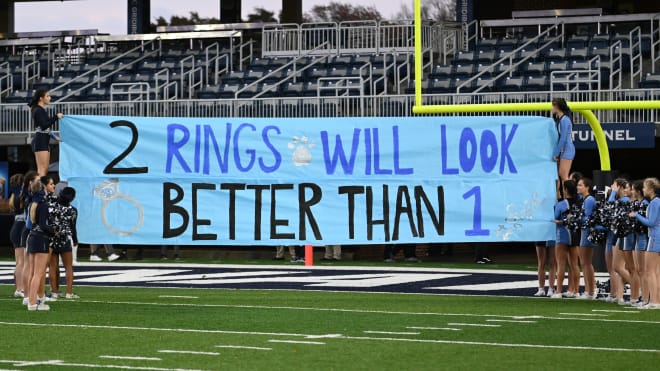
(296, 330)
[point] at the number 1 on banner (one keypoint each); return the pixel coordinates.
(476, 216)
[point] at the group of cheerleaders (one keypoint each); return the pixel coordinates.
(626, 221)
(44, 225)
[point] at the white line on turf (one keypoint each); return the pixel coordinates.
(433, 328)
(614, 311)
(473, 324)
(100, 366)
(509, 321)
(37, 363)
(297, 342)
(390, 332)
(189, 352)
(178, 296)
(584, 314)
(131, 358)
(242, 347)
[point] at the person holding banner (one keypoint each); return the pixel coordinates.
(586, 248)
(42, 124)
(15, 207)
(565, 247)
(564, 151)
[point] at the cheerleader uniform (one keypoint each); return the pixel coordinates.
(19, 219)
(588, 207)
(42, 125)
(565, 149)
(642, 239)
(38, 240)
(652, 221)
(626, 243)
(563, 236)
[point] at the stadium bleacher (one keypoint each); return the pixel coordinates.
(294, 76)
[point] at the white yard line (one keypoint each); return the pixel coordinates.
(242, 347)
(178, 296)
(473, 324)
(390, 332)
(614, 311)
(433, 328)
(509, 321)
(188, 352)
(297, 342)
(37, 363)
(95, 366)
(584, 314)
(131, 358)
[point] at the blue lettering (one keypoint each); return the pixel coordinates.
(377, 169)
(467, 160)
(276, 154)
(339, 155)
(443, 152)
(488, 151)
(397, 169)
(506, 156)
(237, 155)
(174, 146)
(367, 151)
(197, 147)
(223, 161)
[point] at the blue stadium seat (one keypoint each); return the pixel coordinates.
(293, 89)
(579, 54)
(465, 57)
(599, 41)
(511, 84)
(650, 81)
(464, 71)
(577, 42)
(536, 68)
(228, 90)
(537, 83)
(19, 96)
(555, 55)
(486, 56)
(209, 92)
(557, 66)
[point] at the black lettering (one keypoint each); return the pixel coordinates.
(305, 210)
(439, 221)
(274, 222)
(401, 194)
(351, 191)
(371, 222)
(197, 222)
(232, 187)
(170, 207)
(258, 189)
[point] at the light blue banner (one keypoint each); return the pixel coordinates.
(279, 181)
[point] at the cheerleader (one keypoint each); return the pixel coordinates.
(64, 217)
(15, 188)
(651, 190)
(43, 125)
(30, 178)
(641, 240)
(622, 258)
(586, 248)
(564, 151)
(38, 244)
(565, 247)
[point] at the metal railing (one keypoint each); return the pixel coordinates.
(343, 38)
(616, 65)
(15, 118)
(635, 40)
(135, 92)
(655, 42)
(191, 77)
(6, 79)
(573, 80)
(31, 73)
(468, 35)
(245, 57)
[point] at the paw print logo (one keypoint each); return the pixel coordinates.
(515, 217)
(302, 156)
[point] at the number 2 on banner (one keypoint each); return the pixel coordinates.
(476, 216)
(111, 168)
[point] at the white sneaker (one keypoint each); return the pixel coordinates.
(650, 306)
(95, 258)
(38, 307)
(540, 292)
(556, 296)
(550, 292)
(19, 294)
(113, 257)
(623, 302)
(45, 299)
(54, 296)
(569, 294)
(26, 300)
(586, 296)
(638, 304)
(72, 296)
